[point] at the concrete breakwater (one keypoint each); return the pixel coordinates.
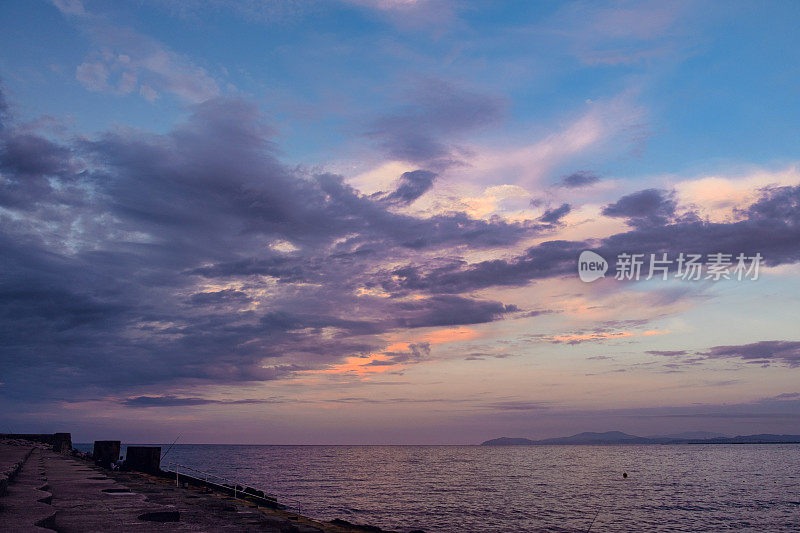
(72, 491)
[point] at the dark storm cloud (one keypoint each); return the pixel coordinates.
(27, 162)
(435, 110)
(31, 155)
(579, 179)
(108, 244)
(411, 186)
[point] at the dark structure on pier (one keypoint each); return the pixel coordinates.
(61, 442)
(143, 459)
(106, 452)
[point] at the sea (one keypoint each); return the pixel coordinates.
(487, 489)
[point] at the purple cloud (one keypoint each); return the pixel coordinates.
(579, 179)
(786, 352)
(411, 186)
(650, 206)
(435, 114)
(116, 305)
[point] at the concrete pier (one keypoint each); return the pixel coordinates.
(49, 491)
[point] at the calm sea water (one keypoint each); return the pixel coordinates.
(524, 488)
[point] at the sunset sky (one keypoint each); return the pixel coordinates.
(359, 221)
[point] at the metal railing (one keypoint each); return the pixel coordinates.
(226, 484)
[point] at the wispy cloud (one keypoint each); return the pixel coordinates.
(126, 62)
(182, 401)
(623, 33)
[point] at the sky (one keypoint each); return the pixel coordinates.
(359, 221)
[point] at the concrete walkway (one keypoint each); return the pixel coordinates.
(25, 506)
(52, 492)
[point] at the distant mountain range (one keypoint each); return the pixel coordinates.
(618, 437)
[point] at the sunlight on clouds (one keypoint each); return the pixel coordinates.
(491, 199)
(717, 197)
(381, 178)
(586, 222)
(449, 335)
(380, 362)
(602, 336)
(372, 291)
(529, 164)
(283, 246)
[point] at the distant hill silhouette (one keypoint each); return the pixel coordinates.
(690, 435)
(618, 437)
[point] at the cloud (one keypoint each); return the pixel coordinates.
(430, 15)
(220, 297)
(435, 114)
(391, 5)
(131, 63)
(719, 198)
(622, 33)
(667, 353)
(177, 401)
(517, 405)
(601, 334)
(411, 186)
(255, 11)
(28, 161)
(786, 396)
(764, 353)
(784, 352)
(125, 62)
(549, 259)
(415, 353)
(70, 7)
(605, 127)
(769, 226)
(448, 310)
(135, 259)
(554, 216)
(579, 179)
(649, 206)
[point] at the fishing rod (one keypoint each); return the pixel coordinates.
(593, 519)
(170, 446)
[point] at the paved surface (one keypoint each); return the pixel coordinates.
(52, 492)
(25, 505)
(11, 455)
